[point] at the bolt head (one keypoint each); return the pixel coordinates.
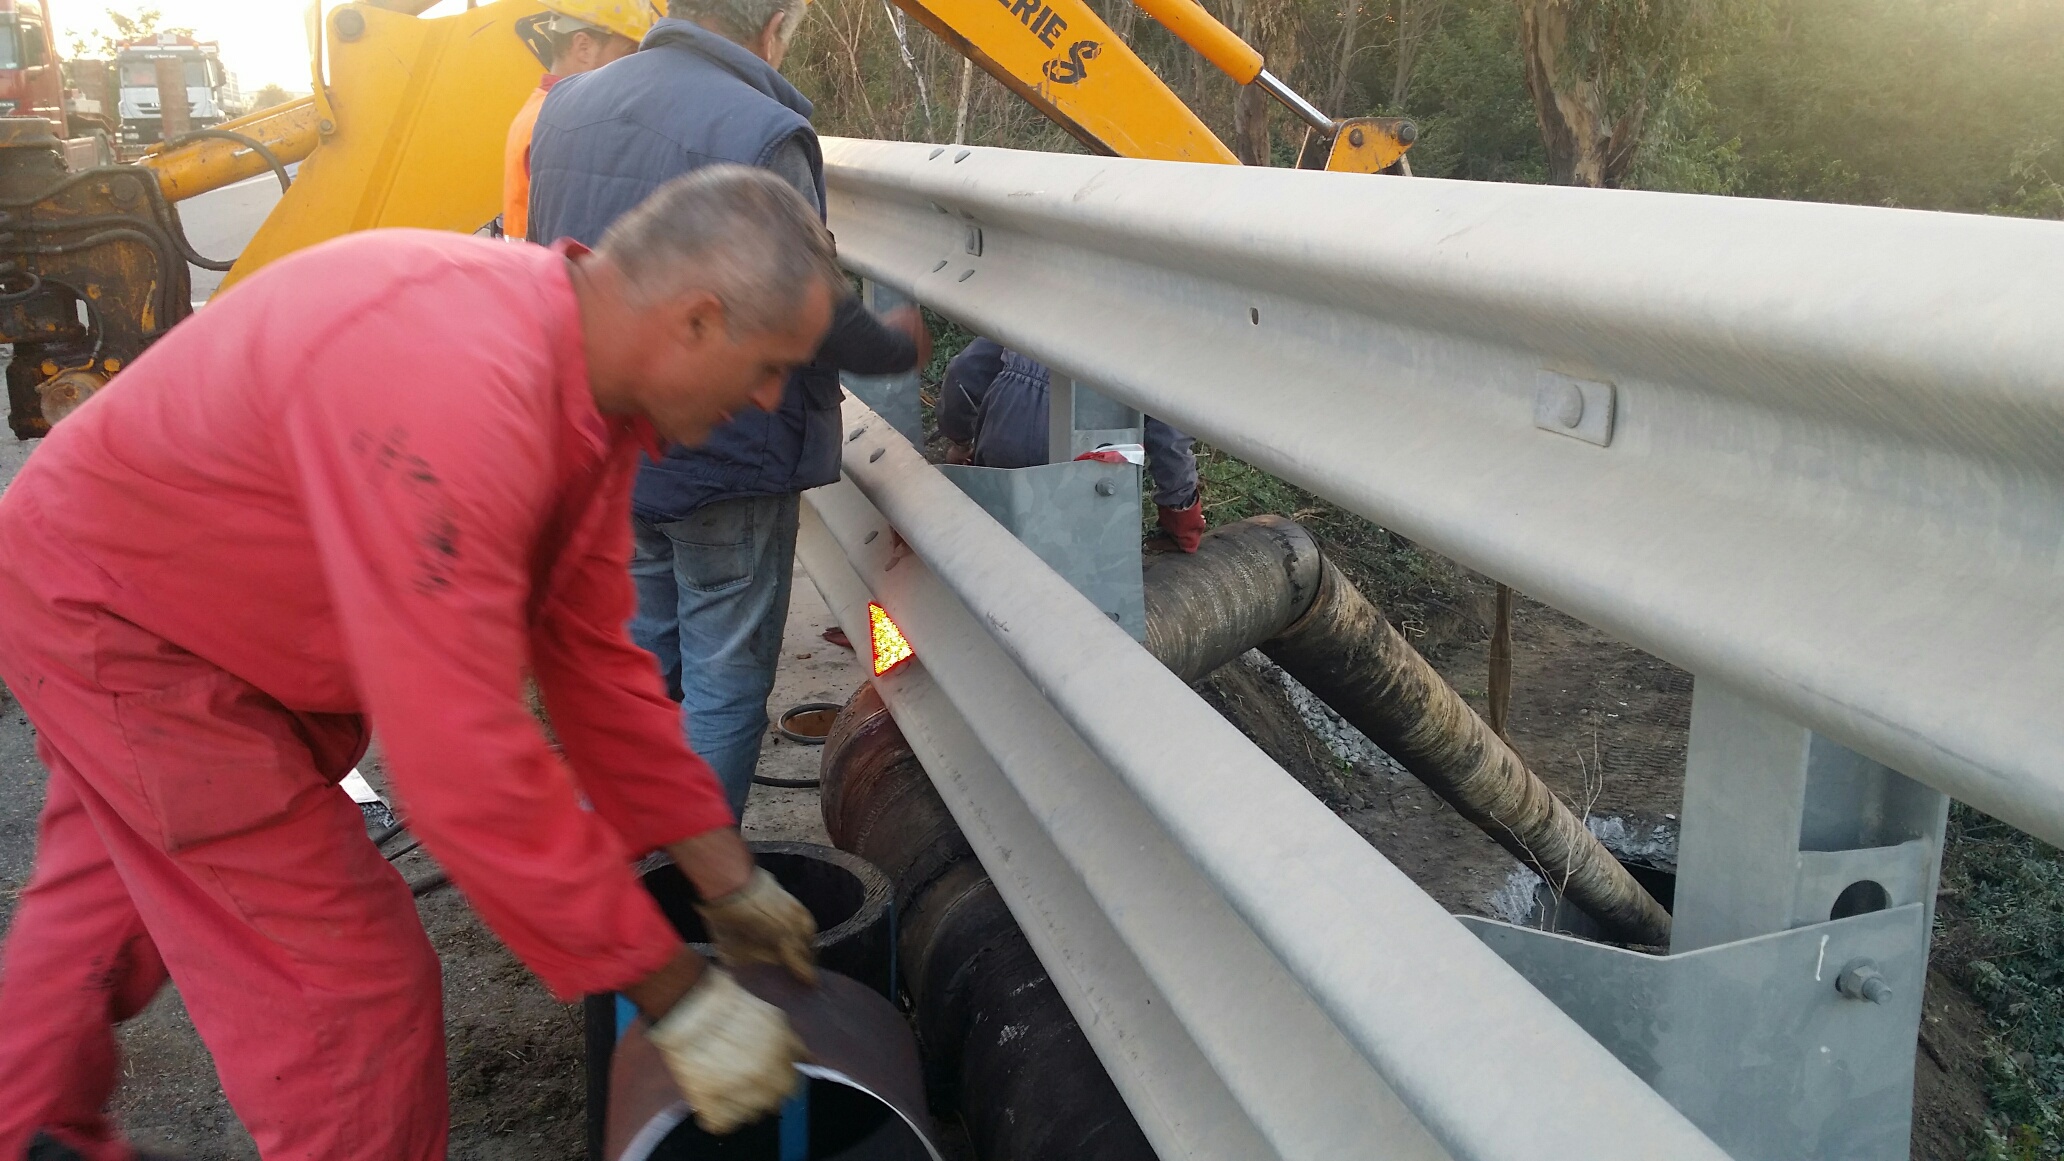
(1407, 133)
(350, 24)
(1569, 406)
(1106, 488)
(1861, 980)
(1355, 137)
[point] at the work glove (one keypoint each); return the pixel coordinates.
(732, 1054)
(1185, 526)
(761, 923)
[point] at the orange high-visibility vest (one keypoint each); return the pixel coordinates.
(516, 162)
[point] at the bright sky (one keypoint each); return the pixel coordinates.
(263, 41)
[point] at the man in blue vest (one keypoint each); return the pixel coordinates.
(714, 525)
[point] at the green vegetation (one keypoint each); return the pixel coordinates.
(2000, 933)
(1926, 104)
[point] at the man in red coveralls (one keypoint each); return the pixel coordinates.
(375, 487)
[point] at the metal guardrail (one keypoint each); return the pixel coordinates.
(1815, 453)
(1258, 979)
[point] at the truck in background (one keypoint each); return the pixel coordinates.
(89, 95)
(35, 83)
(136, 70)
(31, 79)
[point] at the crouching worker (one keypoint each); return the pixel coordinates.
(992, 411)
(375, 487)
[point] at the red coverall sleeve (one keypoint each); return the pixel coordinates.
(619, 729)
(424, 459)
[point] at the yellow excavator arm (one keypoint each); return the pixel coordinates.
(1061, 56)
(407, 127)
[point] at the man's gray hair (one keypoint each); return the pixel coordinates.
(740, 233)
(741, 20)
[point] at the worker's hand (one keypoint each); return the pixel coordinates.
(959, 453)
(732, 1053)
(1185, 526)
(717, 861)
(761, 923)
(910, 320)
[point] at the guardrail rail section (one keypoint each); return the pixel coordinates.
(1810, 453)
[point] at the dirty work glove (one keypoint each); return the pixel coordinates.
(761, 923)
(1185, 526)
(732, 1054)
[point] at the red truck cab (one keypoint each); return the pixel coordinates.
(31, 81)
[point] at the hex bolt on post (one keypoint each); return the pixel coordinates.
(1861, 981)
(1263, 583)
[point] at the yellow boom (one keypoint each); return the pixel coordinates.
(406, 124)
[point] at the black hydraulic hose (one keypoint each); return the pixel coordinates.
(178, 229)
(193, 256)
(165, 261)
(119, 222)
(279, 170)
(71, 180)
(25, 293)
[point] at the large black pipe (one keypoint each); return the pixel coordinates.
(1263, 582)
(998, 1043)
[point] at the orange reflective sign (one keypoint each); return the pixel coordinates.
(890, 647)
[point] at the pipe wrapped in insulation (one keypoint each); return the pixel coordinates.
(1248, 582)
(1263, 582)
(1351, 657)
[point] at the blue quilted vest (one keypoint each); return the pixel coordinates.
(604, 140)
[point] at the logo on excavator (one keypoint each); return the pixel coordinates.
(1068, 72)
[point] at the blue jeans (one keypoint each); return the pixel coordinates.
(712, 602)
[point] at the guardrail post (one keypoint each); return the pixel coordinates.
(1784, 828)
(1784, 1019)
(1080, 419)
(1081, 517)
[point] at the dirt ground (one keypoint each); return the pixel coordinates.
(1602, 722)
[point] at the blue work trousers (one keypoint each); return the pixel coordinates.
(712, 602)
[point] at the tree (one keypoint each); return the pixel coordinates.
(103, 41)
(1267, 25)
(269, 95)
(1416, 19)
(1597, 68)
